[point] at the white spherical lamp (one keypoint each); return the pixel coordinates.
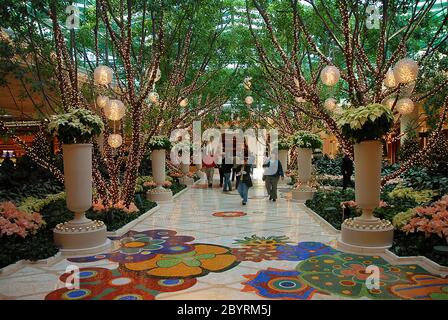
(389, 79)
(102, 101)
(103, 75)
(330, 104)
(115, 140)
(330, 75)
(154, 97)
(115, 110)
(389, 102)
(405, 106)
(249, 100)
(183, 103)
(406, 70)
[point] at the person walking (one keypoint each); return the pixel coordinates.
(226, 171)
(209, 165)
(244, 180)
(272, 173)
(347, 171)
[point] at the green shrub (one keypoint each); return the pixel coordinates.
(306, 139)
(369, 122)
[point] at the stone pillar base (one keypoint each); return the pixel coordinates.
(302, 194)
(159, 194)
(371, 233)
(81, 238)
(188, 181)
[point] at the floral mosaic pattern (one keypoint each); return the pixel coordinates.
(345, 275)
(304, 250)
(229, 214)
(141, 246)
(203, 259)
(278, 284)
(106, 284)
(154, 261)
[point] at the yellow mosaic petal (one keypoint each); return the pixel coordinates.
(206, 248)
(219, 262)
(179, 271)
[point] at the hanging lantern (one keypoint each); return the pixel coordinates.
(115, 110)
(330, 75)
(102, 101)
(330, 104)
(183, 103)
(406, 70)
(389, 79)
(405, 106)
(299, 99)
(103, 75)
(389, 102)
(115, 140)
(249, 100)
(154, 97)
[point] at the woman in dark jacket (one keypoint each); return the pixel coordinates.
(347, 171)
(243, 180)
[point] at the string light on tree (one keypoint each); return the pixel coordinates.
(115, 140)
(103, 75)
(406, 70)
(405, 106)
(330, 75)
(183, 102)
(330, 104)
(102, 101)
(299, 99)
(153, 97)
(249, 100)
(389, 79)
(115, 110)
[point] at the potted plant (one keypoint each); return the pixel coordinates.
(305, 141)
(365, 126)
(158, 146)
(75, 130)
(283, 145)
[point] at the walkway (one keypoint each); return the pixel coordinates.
(206, 245)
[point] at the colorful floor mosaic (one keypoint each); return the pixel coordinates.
(272, 251)
(229, 214)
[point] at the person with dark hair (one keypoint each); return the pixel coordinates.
(347, 171)
(244, 180)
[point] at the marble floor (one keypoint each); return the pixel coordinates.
(207, 245)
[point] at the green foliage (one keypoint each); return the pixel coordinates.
(159, 143)
(402, 218)
(306, 139)
(369, 122)
(416, 244)
(420, 196)
(33, 204)
(76, 126)
(327, 204)
(284, 144)
(419, 178)
(327, 165)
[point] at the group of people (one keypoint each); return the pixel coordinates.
(273, 171)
